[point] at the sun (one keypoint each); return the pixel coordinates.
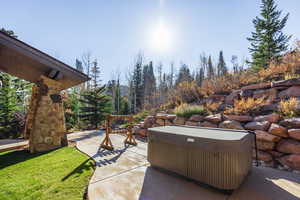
(161, 37)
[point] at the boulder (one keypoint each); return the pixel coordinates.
(262, 155)
(231, 124)
(287, 83)
(276, 154)
(234, 95)
(276, 129)
(288, 146)
(291, 123)
(141, 131)
(264, 145)
(214, 118)
(149, 121)
(257, 86)
(196, 118)
(239, 118)
(165, 116)
(292, 161)
(265, 136)
(208, 124)
(290, 92)
(263, 126)
(179, 121)
(272, 118)
(270, 108)
(271, 94)
(246, 93)
(164, 122)
(294, 133)
(192, 123)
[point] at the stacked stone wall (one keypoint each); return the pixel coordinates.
(278, 138)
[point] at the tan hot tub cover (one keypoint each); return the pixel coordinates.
(221, 158)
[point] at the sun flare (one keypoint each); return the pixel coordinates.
(161, 37)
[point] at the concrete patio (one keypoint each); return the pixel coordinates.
(125, 174)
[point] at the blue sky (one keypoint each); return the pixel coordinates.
(115, 31)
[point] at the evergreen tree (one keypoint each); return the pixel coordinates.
(222, 69)
(268, 41)
(95, 106)
(138, 84)
(210, 68)
(184, 74)
(8, 106)
(95, 75)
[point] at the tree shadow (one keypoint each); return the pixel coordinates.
(102, 153)
(14, 157)
(85, 165)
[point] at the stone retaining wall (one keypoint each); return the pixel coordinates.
(278, 138)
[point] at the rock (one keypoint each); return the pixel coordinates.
(246, 93)
(141, 131)
(149, 121)
(264, 145)
(163, 122)
(263, 126)
(165, 116)
(160, 122)
(215, 98)
(196, 118)
(294, 133)
(290, 92)
(234, 95)
(270, 108)
(265, 136)
(276, 154)
(262, 155)
(287, 83)
(214, 118)
(231, 124)
(271, 94)
(179, 121)
(256, 86)
(239, 118)
(208, 124)
(291, 123)
(272, 118)
(289, 146)
(276, 129)
(192, 123)
(292, 161)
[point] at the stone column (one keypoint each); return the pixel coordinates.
(45, 123)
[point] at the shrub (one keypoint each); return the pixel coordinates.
(186, 110)
(246, 106)
(212, 107)
(288, 108)
(185, 92)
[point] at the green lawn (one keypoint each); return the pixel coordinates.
(60, 174)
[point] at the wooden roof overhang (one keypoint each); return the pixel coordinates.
(24, 61)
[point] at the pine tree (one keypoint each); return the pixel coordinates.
(95, 75)
(138, 84)
(184, 74)
(8, 106)
(222, 69)
(268, 41)
(210, 68)
(96, 105)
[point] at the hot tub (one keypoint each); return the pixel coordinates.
(221, 158)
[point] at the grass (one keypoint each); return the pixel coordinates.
(186, 110)
(289, 108)
(60, 174)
